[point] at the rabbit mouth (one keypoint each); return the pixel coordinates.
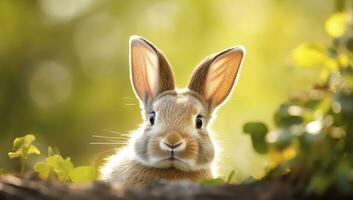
(172, 159)
(175, 162)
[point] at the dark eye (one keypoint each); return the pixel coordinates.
(199, 121)
(152, 117)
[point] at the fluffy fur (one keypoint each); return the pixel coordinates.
(172, 146)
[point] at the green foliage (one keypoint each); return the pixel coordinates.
(313, 133)
(23, 147)
(230, 176)
(258, 132)
(350, 44)
(63, 169)
(212, 182)
(218, 180)
(312, 55)
(53, 166)
(83, 174)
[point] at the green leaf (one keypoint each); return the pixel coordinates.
(58, 163)
(318, 183)
(15, 154)
(43, 169)
(288, 115)
(345, 101)
(18, 142)
(249, 180)
(255, 128)
(350, 44)
(343, 181)
(284, 139)
(24, 141)
(61, 167)
(337, 24)
(33, 150)
(83, 174)
(212, 182)
(230, 176)
(23, 147)
(258, 132)
(50, 151)
(313, 55)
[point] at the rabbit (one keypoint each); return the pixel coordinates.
(174, 141)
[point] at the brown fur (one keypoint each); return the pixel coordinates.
(135, 173)
(172, 145)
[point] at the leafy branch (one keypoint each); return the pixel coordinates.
(53, 166)
(313, 134)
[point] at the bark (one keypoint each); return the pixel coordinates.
(15, 188)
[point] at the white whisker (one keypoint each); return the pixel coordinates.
(106, 143)
(106, 137)
(119, 133)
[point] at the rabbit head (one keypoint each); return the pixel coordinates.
(176, 122)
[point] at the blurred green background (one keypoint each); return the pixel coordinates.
(64, 72)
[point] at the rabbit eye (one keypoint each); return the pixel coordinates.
(199, 121)
(152, 117)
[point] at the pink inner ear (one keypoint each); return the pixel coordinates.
(221, 76)
(145, 71)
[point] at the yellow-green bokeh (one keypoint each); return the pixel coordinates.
(64, 67)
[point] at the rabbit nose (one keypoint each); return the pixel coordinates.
(172, 146)
(172, 141)
(167, 146)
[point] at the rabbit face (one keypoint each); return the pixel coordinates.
(176, 135)
(175, 132)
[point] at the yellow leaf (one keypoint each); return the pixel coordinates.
(337, 24)
(313, 55)
(344, 60)
(33, 150)
(15, 154)
(278, 157)
(43, 169)
(83, 174)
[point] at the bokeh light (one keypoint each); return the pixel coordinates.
(64, 67)
(49, 84)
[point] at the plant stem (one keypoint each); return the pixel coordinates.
(23, 166)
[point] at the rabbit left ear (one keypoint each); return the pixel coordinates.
(151, 73)
(216, 76)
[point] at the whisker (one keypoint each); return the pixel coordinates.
(107, 143)
(106, 137)
(103, 152)
(119, 133)
(130, 104)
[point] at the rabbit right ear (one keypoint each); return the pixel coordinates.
(214, 79)
(151, 73)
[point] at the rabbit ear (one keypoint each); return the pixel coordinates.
(150, 71)
(216, 76)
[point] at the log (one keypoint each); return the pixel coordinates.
(16, 188)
